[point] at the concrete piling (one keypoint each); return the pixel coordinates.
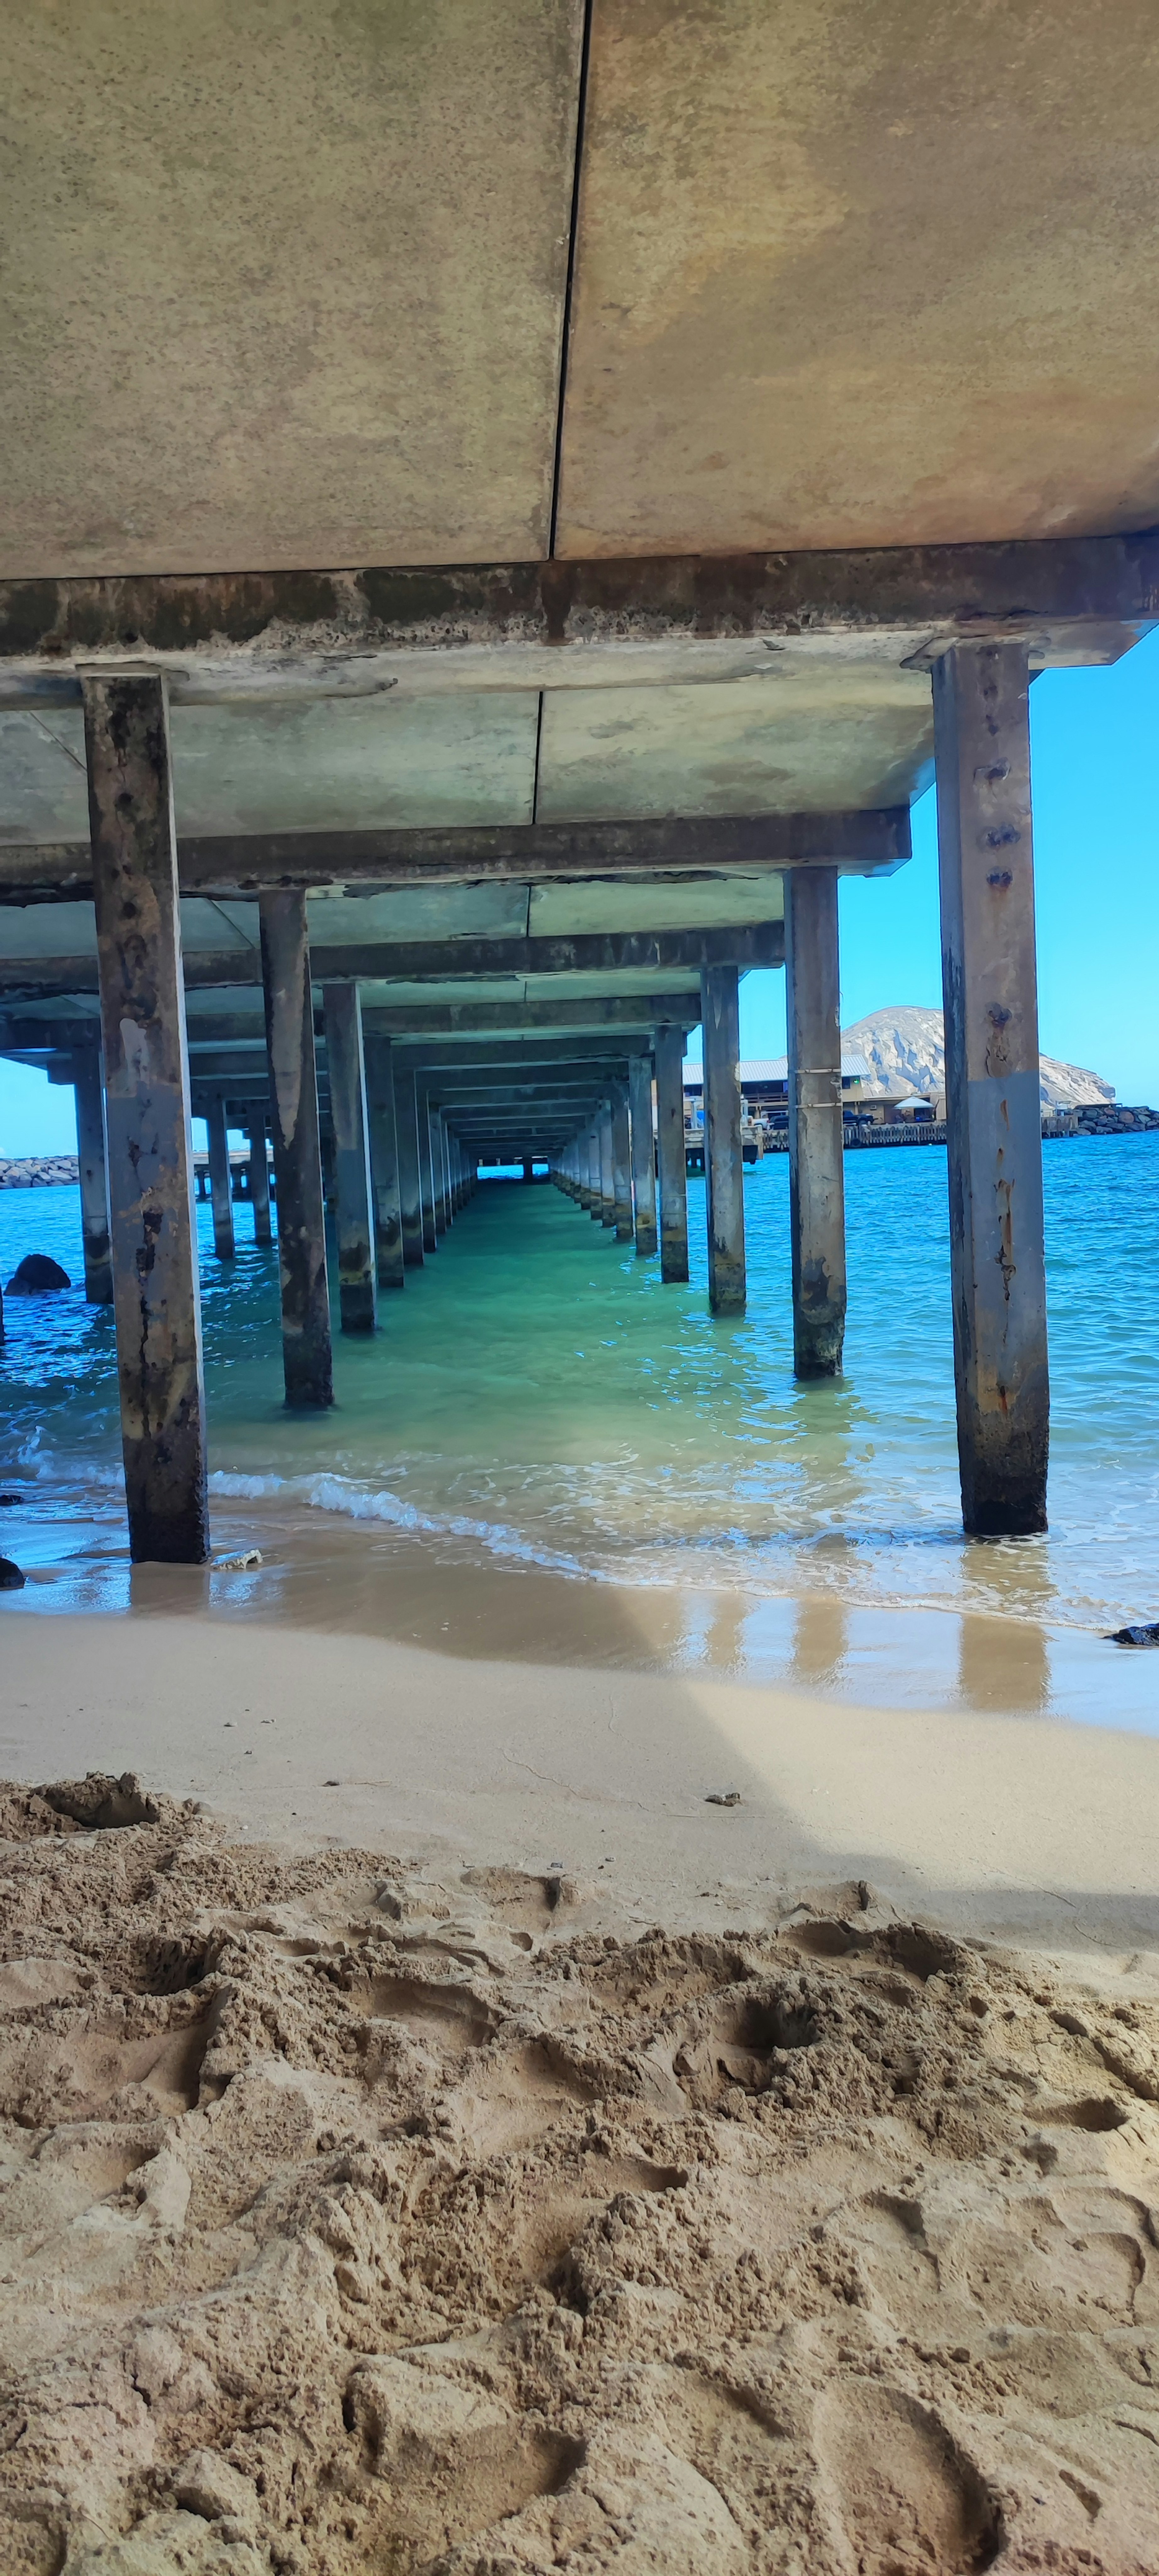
(671, 1155)
(643, 1153)
(386, 1198)
(448, 1185)
(357, 1275)
(410, 1193)
(816, 1143)
(427, 1171)
(220, 1192)
(306, 1348)
(622, 1164)
(993, 1112)
(607, 1206)
(152, 1226)
(92, 1171)
(260, 1181)
(723, 1161)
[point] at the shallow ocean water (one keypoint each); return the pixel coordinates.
(535, 1395)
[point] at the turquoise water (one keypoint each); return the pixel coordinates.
(535, 1395)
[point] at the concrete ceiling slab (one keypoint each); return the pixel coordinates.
(655, 903)
(830, 736)
(289, 282)
(333, 765)
(863, 273)
(496, 911)
(47, 930)
(316, 765)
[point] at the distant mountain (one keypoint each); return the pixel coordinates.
(905, 1048)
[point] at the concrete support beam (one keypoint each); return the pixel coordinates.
(723, 1160)
(378, 1059)
(220, 1178)
(410, 1194)
(622, 1164)
(260, 1181)
(253, 862)
(150, 1161)
(357, 1275)
(92, 1169)
(816, 1145)
(620, 952)
(306, 1349)
(643, 1154)
(219, 626)
(670, 1155)
(993, 1114)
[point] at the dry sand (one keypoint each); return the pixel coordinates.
(506, 2160)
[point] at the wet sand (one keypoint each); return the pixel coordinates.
(436, 2135)
(357, 1684)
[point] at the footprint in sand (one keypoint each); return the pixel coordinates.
(898, 2489)
(737, 2039)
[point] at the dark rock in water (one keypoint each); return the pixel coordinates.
(10, 1498)
(1148, 1636)
(37, 1271)
(11, 1578)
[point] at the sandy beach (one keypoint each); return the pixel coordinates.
(439, 2134)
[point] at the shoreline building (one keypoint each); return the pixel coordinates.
(494, 523)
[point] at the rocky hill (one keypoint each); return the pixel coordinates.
(905, 1048)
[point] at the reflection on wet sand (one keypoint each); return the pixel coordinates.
(1003, 1663)
(820, 1641)
(340, 1579)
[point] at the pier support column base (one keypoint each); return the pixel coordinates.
(152, 1224)
(816, 1141)
(993, 1111)
(306, 1349)
(723, 1158)
(671, 1156)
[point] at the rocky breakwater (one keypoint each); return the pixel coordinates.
(1098, 1118)
(36, 1171)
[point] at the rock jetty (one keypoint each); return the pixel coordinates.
(37, 1171)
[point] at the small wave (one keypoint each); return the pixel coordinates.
(329, 1493)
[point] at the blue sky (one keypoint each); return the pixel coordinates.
(1095, 776)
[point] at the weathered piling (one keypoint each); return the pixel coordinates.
(643, 1153)
(993, 1116)
(590, 1195)
(384, 1158)
(152, 1225)
(306, 1349)
(260, 1181)
(410, 1191)
(433, 1209)
(220, 1192)
(622, 1164)
(607, 1206)
(92, 1173)
(357, 1276)
(723, 1159)
(671, 1156)
(816, 1142)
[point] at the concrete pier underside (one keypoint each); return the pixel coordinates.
(581, 572)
